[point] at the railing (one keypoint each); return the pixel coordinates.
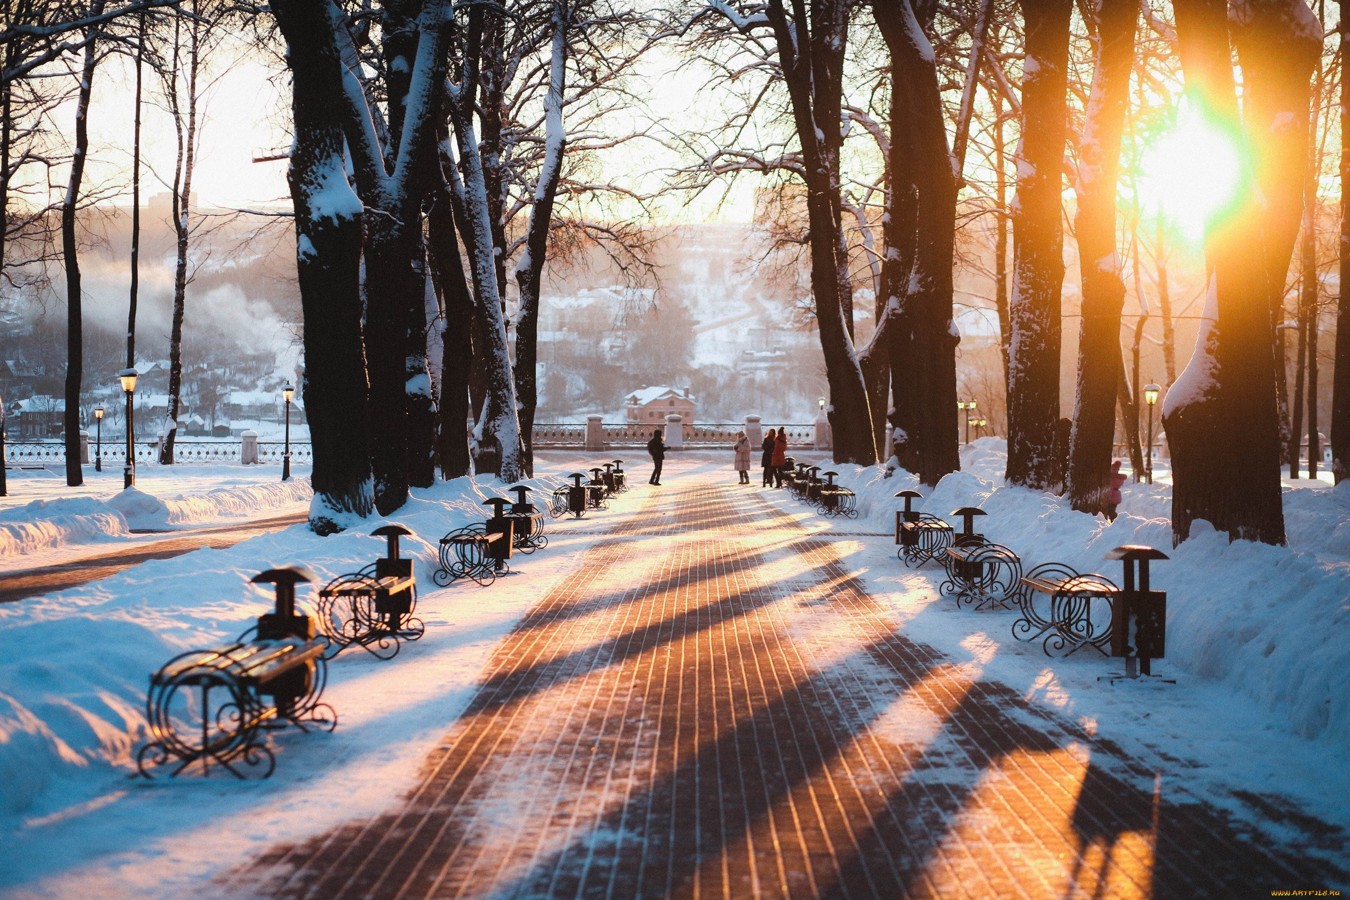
(546, 435)
(41, 453)
(631, 433)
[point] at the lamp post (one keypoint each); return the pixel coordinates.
(98, 454)
(288, 392)
(821, 404)
(128, 379)
(968, 406)
(1151, 392)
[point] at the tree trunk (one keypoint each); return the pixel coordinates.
(924, 371)
(70, 252)
(1038, 268)
(1099, 362)
(1340, 378)
(811, 55)
(452, 446)
(182, 198)
(133, 290)
(530, 269)
(1221, 415)
(328, 256)
(499, 427)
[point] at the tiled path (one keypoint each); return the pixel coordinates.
(731, 716)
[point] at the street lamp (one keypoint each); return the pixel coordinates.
(128, 379)
(1151, 392)
(288, 392)
(969, 407)
(98, 454)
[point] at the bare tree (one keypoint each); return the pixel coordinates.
(808, 43)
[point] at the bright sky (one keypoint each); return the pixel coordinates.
(245, 113)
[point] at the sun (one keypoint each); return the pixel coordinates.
(1190, 172)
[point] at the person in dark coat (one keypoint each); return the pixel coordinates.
(779, 456)
(766, 457)
(657, 448)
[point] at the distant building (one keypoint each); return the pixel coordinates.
(651, 405)
(37, 417)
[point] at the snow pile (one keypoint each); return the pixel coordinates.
(1267, 622)
(44, 524)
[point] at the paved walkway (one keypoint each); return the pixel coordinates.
(733, 717)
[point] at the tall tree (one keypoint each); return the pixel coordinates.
(184, 95)
(919, 298)
(809, 42)
(1220, 416)
(328, 261)
(70, 251)
(1038, 249)
(1340, 379)
(1099, 358)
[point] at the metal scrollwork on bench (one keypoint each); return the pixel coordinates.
(467, 553)
(372, 608)
(217, 705)
(1070, 625)
(982, 574)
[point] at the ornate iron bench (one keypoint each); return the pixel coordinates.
(982, 574)
(837, 500)
(216, 706)
(922, 536)
(1067, 623)
(467, 553)
(372, 608)
(527, 523)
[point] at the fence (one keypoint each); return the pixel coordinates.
(36, 454)
(720, 434)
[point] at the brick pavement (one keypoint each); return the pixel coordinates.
(728, 714)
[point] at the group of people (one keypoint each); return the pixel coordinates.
(772, 459)
(773, 456)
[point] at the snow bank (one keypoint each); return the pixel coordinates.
(1266, 622)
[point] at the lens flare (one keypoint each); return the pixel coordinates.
(1190, 173)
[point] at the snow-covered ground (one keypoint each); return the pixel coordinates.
(1255, 643)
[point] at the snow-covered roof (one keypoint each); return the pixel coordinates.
(646, 395)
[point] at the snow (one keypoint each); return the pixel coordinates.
(1260, 700)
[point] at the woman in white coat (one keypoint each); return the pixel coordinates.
(743, 457)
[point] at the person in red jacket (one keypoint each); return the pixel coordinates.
(1113, 497)
(779, 456)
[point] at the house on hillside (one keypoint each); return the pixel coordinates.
(651, 405)
(40, 416)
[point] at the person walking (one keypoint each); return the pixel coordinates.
(657, 448)
(779, 456)
(743, 457)
(766, 457)
(1113, 497)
